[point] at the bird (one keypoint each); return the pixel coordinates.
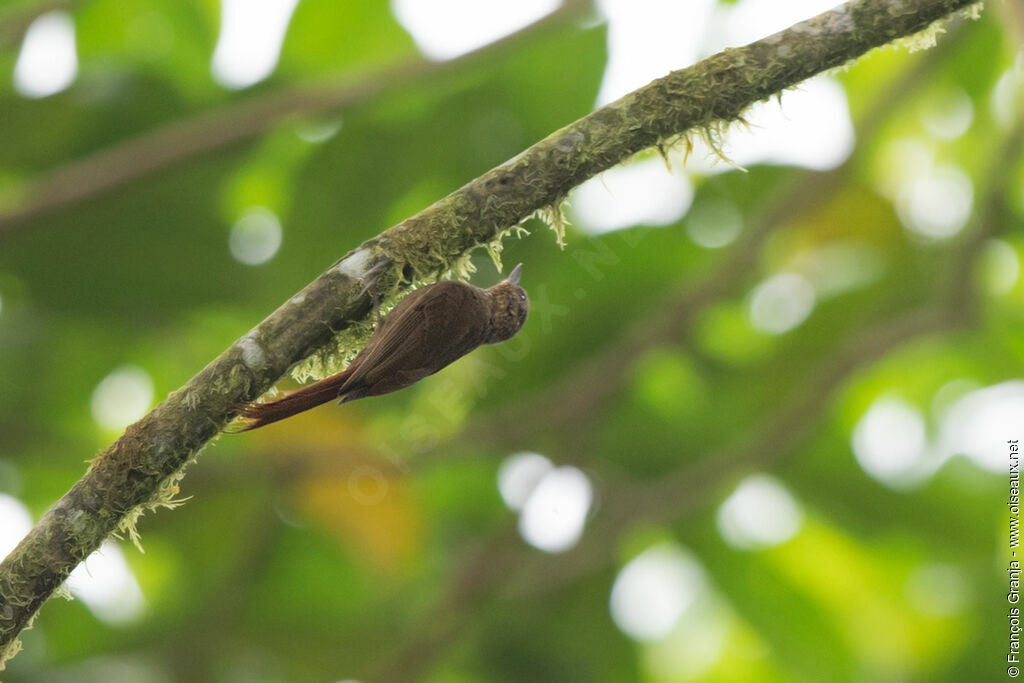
(432, 327)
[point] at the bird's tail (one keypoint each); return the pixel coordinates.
(255, 415)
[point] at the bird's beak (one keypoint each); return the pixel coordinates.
(516, 273)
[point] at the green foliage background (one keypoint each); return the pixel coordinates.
(274, 570)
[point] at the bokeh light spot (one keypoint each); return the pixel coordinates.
(808, 127)
(15, 522)
(648, 39)
(1006, 96)
(255, 237)
(47, 62)
(714, 223)
(936, 205)
(107, 586)
(749, 20)
(1000, 267)
(553, 516)
(781, 303)
(900, 162)
(444, 29)
(948, 116)
(519, 475)
(979, 424)
(249, 45)
(654, 590)
(840, 267)
(639, 193)
(319, 131)
(122, 397)
(889, 440)
(759, 513)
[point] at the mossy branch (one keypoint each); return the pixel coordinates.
(138, 471)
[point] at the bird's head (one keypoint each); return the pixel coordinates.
(509, 307)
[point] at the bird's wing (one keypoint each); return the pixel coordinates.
(426, 331)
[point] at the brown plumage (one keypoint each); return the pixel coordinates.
(427, 330)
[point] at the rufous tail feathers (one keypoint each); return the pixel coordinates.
(259, 414)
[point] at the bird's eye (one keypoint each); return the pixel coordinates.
(522, 297)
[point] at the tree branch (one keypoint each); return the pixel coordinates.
(139, 470)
